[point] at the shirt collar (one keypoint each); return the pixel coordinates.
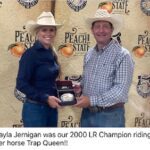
(98, 51)
(105, 47)
(38, 46)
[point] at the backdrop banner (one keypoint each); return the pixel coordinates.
(72, 42)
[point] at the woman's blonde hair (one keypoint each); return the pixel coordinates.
(57, 61)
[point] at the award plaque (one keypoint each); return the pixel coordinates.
(66, 93)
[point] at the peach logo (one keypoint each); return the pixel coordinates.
(106, 5)
(28, 3)
(145, 7)
(76, 5)
(67, 50)
(143, 86)
(17, 49)
(139, 51)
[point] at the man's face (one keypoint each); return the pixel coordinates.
(102, 31)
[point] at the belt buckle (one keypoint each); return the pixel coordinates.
(100, 108)
(94, 109)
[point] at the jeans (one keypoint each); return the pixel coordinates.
(39, 115)
(105, 118)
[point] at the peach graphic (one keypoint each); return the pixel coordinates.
(66, 50)
(139, 51)
(106, 5)
(17, 49)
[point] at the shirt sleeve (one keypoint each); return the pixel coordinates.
(122, 82)
(82, 80)
(25, 76)
(85, 60)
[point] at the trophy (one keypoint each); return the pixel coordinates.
(65, 92)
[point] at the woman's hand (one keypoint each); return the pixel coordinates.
(53, 102)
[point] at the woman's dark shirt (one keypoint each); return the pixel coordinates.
(37, 73)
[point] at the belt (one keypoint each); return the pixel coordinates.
(95, 109)
(35, 102)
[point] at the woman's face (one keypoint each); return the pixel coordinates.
(46, 35)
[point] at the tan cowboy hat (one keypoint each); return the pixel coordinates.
(103, 15)
(45, 19)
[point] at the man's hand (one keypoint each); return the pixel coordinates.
(83, 102)
(77, 89)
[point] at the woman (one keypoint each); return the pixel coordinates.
(38, 70)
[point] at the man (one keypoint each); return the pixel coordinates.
(107, 75)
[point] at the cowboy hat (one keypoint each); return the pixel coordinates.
(104, 15)
(45, 19)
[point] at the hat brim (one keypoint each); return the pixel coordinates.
(116, 21)
(31, 26)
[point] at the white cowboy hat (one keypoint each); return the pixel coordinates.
(103, 15)
(45, 19)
